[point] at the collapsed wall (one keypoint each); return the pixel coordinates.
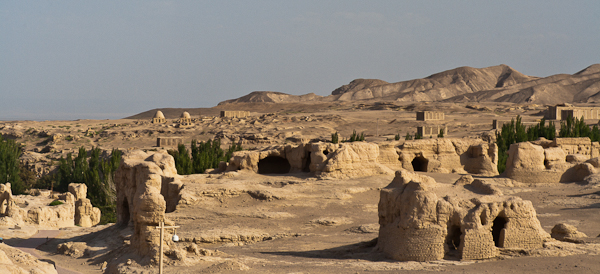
(359, 159)
(417, 225)
(75, 209)
(561, 160)
(147, 187)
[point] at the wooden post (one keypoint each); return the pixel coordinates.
(162, 228)
(377, 127)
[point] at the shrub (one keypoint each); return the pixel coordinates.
(397, 137)
(408, 136)
(56, 202)
(204, 155)
(335, 138)
(441, 134)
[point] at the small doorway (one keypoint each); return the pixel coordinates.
(497, 227)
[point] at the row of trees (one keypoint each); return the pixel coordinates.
(203, 156)
(515, 132)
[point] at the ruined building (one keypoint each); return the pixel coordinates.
(561, 112)
(430, 116)
(359, 159)
(560, 160)
(185, 120)
(147, 187)
(431, 130)
(418, 225)
(159, 118)
(169, 141)
(234, 114)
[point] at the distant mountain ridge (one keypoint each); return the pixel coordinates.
(464, 84)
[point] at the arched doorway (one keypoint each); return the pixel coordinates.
(419, 163)
(273, 165)
(453, 238)
(498, 225)
(306, 167)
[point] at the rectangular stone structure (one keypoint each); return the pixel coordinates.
(431, 131)
(430, 116)
(168, 141)
(562, 112)
(234, 114)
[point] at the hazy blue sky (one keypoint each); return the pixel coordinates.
(111, 59)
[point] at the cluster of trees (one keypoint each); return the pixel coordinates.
(10, 166)
(515, 132)
(96, 173)
(355, 137)
(88, 167)
(203, 156)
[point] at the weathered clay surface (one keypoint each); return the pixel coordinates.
(417, 225)
(143, 180)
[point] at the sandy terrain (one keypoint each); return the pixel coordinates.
(295, 223)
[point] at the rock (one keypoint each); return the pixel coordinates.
(464, 180)
(567, 233)
(73, 249)
(85, 214)
(577, 158)
(13, 260)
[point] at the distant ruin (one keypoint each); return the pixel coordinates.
(430, 116)
(417, 225)
(561, 112)
(169, 141)
(431, 131)
(234, 114)
(159, 118)
(185, 120)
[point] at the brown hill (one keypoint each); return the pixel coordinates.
(272, 97)
(439, 86)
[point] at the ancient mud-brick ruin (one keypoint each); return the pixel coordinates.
(168, 141)
(234, 114)
(147, 187)
(159, 118)
(417, 225)
(75, 209)
(560, 160)
(431, 131)
(356, 159)
(430, 116)
(185, 120)
(561, 112)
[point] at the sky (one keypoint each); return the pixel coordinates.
(67, 60)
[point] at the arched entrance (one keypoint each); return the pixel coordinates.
(273, 165)
(498, 225)
(419, 163)
(453, 238)
(306, 167)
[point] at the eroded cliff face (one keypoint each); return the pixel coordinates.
(418, 225)
(147, 186)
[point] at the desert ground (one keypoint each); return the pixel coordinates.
(296, 223)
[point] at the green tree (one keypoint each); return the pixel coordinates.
(335, 138)
(10, 166)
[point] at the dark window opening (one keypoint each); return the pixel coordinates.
(273, 164)
(306, 167)
(420, 164)
(497, 227)
(325, 152)
(453, 237)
